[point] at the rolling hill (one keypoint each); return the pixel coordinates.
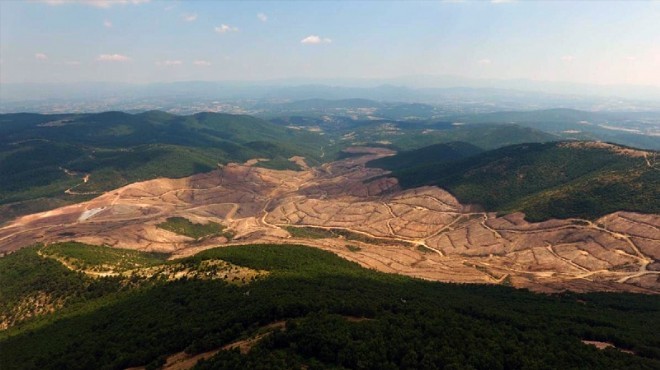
(427, 155)
(47, 161)
(41, 156)
(544, 180)
(638, 129)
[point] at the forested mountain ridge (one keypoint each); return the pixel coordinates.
(313, 309)
(548, 180)
(41, 156)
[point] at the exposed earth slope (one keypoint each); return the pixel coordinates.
(423, 232)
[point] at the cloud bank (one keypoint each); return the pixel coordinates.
(314, 39)
(113, 58)
(224, 28)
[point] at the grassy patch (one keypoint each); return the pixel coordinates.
(183, 226)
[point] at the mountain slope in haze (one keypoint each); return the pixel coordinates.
(548, 180)
(41, 156)
(638, 129)
(408, 135)
(412, 135)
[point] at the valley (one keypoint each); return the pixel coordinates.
(422, 232)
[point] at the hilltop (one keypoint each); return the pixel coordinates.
(361, 214)
(638, 129)
(543, 180)
(41, 156)
(47, 161)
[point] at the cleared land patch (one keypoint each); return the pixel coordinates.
(344, 202)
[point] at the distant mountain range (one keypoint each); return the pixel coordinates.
(443, 90)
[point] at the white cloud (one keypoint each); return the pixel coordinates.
(223, 28)
(262, 17)
(202, 63)
(484, 61)
(568, 58)
(314, 39)
(72, 63)
(107, 24)
(631, 58)
(502, 1)
(96, 3)
(40, 56)
(189, 17)
(113, 58)
(169, 63)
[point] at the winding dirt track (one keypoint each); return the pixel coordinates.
(456, 243)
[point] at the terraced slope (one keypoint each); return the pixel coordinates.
(423, 232)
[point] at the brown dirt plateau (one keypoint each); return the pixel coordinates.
(455, 243)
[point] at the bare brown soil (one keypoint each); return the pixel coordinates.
(603, 345)
(457, 243)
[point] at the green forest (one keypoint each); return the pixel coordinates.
(544, 180)
(337, 315)
(183, 226)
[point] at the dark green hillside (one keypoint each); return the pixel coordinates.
(118, 129)
(43, 155)
(339, 315)
(32, 285)
(427, 155)
(183, 226)
(543, 180)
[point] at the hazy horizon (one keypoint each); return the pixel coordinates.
(611, 44)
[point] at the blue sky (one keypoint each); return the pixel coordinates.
(159, 41)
